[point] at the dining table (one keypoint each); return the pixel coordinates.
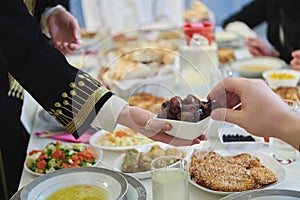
(35, 124)
(291, 181)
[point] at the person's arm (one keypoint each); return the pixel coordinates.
(261, 112)
(41, 5)
(252, 14)
(71, 96)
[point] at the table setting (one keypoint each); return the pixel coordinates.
(227, 146)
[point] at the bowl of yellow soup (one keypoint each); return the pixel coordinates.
(281, 78)
(254, 67)
(77, 183)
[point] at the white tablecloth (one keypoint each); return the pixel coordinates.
(292, 181)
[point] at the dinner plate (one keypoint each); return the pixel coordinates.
(188, 150)
(136, 190)
(264, 158)
(43, 186)
(97, 135)
(254, 67)
(272, 194)
(228, 39)
(98, 151)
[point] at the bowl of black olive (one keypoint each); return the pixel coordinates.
(238, 138)
(189, 116)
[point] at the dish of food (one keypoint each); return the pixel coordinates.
(254, 67)
(281, 78)
(288, 93)
(137, 162)
(243, 170)
(226, 55)
(121, 139)
(112, 183)
(136, 190)
(189, 117)
(147, 101)
(239, 138)
(58, 155)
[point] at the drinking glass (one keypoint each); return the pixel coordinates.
(280, 150)
(169, 178)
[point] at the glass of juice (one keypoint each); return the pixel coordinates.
(169, 178)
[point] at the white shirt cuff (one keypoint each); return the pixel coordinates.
(109, 113)
(45, 15)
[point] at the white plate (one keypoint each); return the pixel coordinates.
(136, 190)
(262, 64)
(188, 130)
(264, 158)
(225, 36)
(273, 194)
(253, 145)
(99, 152)
(100, 133)
(188, 150)
(41, 187)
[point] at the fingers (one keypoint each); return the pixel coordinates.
(67, 48)
(228, 115)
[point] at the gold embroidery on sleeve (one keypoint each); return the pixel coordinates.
(15, 89)
(78, 103)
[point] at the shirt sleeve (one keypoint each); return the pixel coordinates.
(45, 15)
(108, 115)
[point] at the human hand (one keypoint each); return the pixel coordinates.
(261, 113)
(136, 118)
(64, 31)
(295, 62)
(257, 47)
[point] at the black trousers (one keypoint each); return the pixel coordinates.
(13, 145)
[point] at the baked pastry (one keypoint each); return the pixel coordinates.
(87, 34)
(229, 173)
(226, 55)
(147, 101)
(289, 93)
(198, 12)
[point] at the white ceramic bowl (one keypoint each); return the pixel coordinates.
(43, 186)
(254, 67)
(244, 145)
(188, 130)
(281, 78)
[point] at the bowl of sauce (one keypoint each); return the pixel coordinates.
(254, 67)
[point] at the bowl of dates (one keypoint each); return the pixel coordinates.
(189, 116)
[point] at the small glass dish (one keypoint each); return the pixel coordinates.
(244, 145)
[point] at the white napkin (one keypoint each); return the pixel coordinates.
(241, 29)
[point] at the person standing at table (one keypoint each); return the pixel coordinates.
(283, 28)
(62, 26)
(71, 96)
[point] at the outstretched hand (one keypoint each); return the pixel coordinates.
(136, 118)
(64, 31)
